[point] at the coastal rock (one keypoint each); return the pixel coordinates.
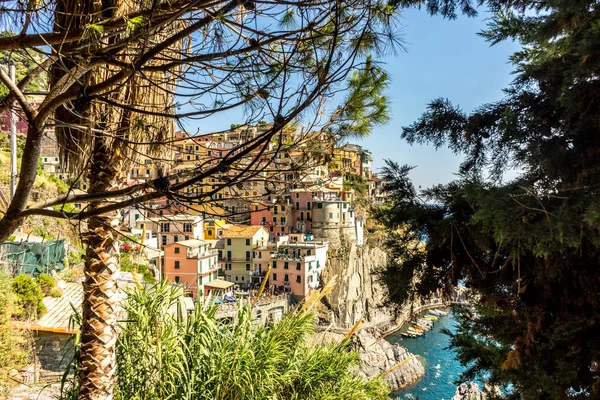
(469, 391)
(378, 356)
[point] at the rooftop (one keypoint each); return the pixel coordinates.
(173, 218)
(240, 231)
(218, 284)
(189, 243)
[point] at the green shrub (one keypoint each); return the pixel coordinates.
(46, 282)
(56, 292)
(29, 297)
(202, 357)
(13, 340)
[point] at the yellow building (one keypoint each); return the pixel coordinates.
(241, 244)
(214, 228)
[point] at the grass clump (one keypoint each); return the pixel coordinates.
(162, 355)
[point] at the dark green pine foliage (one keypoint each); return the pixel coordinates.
(520, 226)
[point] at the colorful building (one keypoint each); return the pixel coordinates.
(297, 267)
(191, 264)
(240, 244)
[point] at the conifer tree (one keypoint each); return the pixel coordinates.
(528, 247)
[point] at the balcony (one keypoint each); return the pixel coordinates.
(235, 259)
(196, 254)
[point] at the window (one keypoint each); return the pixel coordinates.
(319, 205)
(298, 279)
(275, 209)
(286, 278)
(187, 227)
(345, 205)
(164, 240)
(286, 265)
(229, 254)
(310, 279)
(247, 267)
(175, 239)
(209, 232)
(176, 250)
(274, 264)
(164, 227)
(187, 237)
(330, 215)
(228, 267)
(274, 277)
(176, 264)
(237, 278)
(242, 278)
(229, 278)
(176, 279)
(297, 196)
(247, 255)
(308, 205)
(247, 242)
(298, 266)
(228, 242)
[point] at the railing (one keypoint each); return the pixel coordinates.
(234, 259)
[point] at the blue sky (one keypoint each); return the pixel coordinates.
(443, 59)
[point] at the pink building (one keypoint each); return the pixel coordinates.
(297, 267)
(192, 264)
(276, 217)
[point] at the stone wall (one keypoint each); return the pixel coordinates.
(54, 351)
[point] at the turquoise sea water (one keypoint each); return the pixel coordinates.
(441, 368)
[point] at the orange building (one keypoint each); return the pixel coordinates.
(192, 264)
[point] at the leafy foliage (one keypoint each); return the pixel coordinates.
(13, 343)
(46, 282)
(29, 297)
(528, 248)
(24, 60)
(161, 355)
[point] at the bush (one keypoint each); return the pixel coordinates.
(56, 292)
(13, 343)
(46, 282)
(29, 297)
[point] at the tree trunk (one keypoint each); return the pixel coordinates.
(97, 357)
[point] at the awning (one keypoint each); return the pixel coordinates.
(218, 284)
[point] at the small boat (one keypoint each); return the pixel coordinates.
(438, 312)
(431, 317)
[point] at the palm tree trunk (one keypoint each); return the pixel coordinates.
(97, 356)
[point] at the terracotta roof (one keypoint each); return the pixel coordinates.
(241, 231)
(189, 243)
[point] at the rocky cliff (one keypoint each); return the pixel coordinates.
(359, 293)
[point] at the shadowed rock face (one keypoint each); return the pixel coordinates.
(469, 391)
(358, 291)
